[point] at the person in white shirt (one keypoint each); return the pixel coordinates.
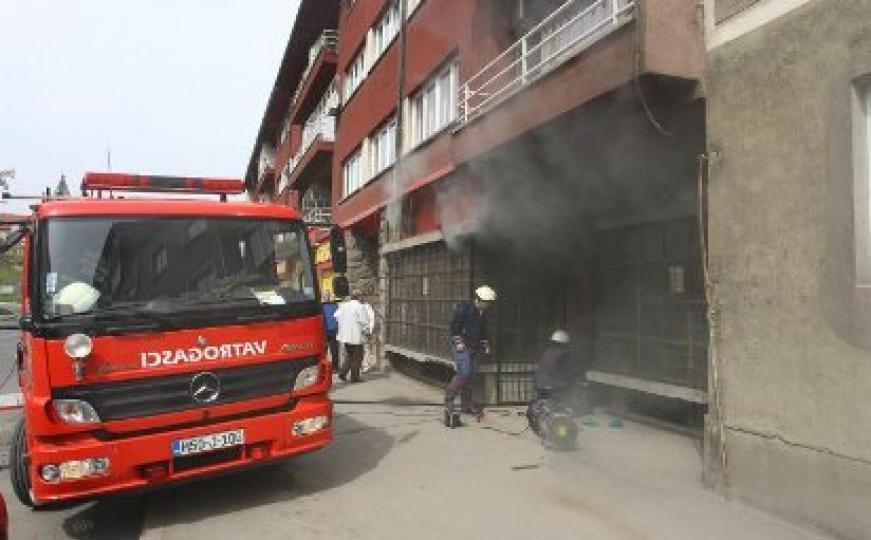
(354, 324)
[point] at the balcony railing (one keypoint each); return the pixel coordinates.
(329, 41)
(323, 128)
(320, 128)
(570, 29)
(320, 214)
(266, 162)
(315, 205)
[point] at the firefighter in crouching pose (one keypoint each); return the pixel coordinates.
(469, 340)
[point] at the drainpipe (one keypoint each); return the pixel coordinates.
(388, 229)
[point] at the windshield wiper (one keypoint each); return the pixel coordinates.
(127, 310)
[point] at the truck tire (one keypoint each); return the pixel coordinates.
(19, 465)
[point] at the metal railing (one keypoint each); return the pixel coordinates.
(328, 40)
(266, 161)
(320, 128)
(317, 215)
(570, 29)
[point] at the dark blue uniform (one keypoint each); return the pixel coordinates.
(468, 332)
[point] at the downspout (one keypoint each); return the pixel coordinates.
(392, 211)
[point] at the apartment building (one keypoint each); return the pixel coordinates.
(789, 95)
(292, 157)
(548, 148)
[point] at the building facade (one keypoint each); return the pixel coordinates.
(515, 143)
(789, 94)
(548, 148)
(682, 186)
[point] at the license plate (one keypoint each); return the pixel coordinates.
(208, 443)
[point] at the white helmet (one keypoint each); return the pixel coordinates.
(560, 336)
(485, 294)
(77, 296)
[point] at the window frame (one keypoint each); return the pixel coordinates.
(861, 126)
(383, 145)
(380, 44)
(355, 74)
(354, 159)
(434, 105)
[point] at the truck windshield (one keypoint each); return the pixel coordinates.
(128, 266)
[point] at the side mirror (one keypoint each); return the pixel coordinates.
(341, 287)
(338, 251)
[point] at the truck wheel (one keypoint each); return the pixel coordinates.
(19, 465)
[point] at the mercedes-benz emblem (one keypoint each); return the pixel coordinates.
(205, 387)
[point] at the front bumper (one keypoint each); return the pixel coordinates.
(267, 437)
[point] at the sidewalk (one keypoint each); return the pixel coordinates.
(394, 472)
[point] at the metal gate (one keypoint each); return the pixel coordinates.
(649, 304)
(531, 305)
(425, 284)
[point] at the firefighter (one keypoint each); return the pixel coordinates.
(554, 373)
(468, 339)
(549, 415)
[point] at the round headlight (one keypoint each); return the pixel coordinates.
(78, 346)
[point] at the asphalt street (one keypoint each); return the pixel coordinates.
(395, 472)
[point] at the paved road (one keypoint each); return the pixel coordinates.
(394, 472)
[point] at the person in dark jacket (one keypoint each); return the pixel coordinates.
(555, 374)
(332, 327)
(468, 339)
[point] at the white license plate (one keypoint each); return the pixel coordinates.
(208, 443)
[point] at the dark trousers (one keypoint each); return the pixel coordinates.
(462, 381)
(353, 361)
(333, 345)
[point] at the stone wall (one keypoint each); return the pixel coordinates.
(363, 274)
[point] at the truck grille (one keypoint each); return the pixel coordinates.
(158, 395)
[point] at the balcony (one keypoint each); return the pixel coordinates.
(265, 167)
(317, 75)
(315, 205)
(313, 162)
(571, 29)
(577, 52)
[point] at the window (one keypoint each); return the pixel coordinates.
(411, 6)
(353, 174)
(862, 178)
(384, 31)
(434, 106)
(383, 147)
(354, 75)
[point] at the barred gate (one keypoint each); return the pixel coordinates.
(650, 305)
(427, 281)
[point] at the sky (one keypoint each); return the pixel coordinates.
(174, 87)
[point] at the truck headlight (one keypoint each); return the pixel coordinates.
(310, 425)
(75, 470)
(78, 346)
(75, 411)
(307, 377)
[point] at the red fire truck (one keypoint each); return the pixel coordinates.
(163, 340)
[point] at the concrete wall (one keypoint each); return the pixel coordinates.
(792, 346)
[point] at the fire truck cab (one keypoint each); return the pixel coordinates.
(164, 339)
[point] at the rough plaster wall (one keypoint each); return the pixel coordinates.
(795, 379)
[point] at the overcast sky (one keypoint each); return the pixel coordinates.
(171, 86)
